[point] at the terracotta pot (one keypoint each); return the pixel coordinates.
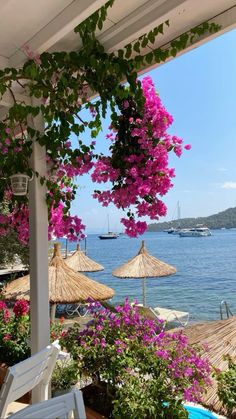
(91, 414)
(24, 399)
(98, 405)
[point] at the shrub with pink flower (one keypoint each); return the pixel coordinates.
(15, 332)
(148, 372)
(138, 166)
(21, 308)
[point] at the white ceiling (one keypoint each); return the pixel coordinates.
(48, 24)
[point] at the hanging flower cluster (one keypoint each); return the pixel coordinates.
(138, 165)
(61, 85)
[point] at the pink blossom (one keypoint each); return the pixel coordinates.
(7, 337)
(188, 147)
(143, 177)
(2, 305)
(21, 308)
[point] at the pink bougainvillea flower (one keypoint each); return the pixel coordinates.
(21, 308)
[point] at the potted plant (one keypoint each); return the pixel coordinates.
(64, 376)
(136, 369)
(14, 338)
(15, 334)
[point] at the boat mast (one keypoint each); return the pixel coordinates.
(108, 224)
(178, 214)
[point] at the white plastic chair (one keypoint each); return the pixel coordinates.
(80, 310)
(57, 408)
(26, 375)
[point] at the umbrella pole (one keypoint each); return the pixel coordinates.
(66, 254)
(53, 312)
(144, 292)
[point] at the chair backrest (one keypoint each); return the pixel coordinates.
(147, 312)
(23, 377)
(58, 407)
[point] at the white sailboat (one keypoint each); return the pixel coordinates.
(109, 235)
(173, 230)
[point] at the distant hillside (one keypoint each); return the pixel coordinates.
(224, 219)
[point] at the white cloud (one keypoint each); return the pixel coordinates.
(222, 169)
(229, 185)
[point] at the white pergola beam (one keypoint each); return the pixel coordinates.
(59, 27)
(227, 21)
(140, 21)
(4, 62)
(146, 18)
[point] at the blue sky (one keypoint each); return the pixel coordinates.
(199, 90)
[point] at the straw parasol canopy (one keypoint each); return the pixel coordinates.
(82, 263)
(65, 285)
(220, 339)
(144, 266)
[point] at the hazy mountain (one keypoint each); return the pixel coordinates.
(224, 219)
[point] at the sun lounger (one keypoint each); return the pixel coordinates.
(166, 314)
(80, 310)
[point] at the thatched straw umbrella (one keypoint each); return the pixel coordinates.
(82, 263)
(144, 266)
(65, 285)
(220, 339)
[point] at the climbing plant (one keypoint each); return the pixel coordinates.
(61, 85)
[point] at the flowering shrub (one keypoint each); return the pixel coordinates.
(65, 374)
(138, 165)
(137, 168)
(148, 371)
(15, 332)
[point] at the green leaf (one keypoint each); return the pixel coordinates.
(149, 57)
(144, 42)
(128, 51)
(173, 52)
(136, 47)
(151, 37)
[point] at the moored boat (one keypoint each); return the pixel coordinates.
(108, 236)
(198, 231)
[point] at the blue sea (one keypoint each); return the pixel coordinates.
(206, 270)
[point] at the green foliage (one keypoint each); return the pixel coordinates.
(12, 251)
(65, 374)
(63, 83)
(226, 381)
(15, 332)
(14, 336)
(143, 371)
(147, 399)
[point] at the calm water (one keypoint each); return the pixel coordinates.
(206, 270)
